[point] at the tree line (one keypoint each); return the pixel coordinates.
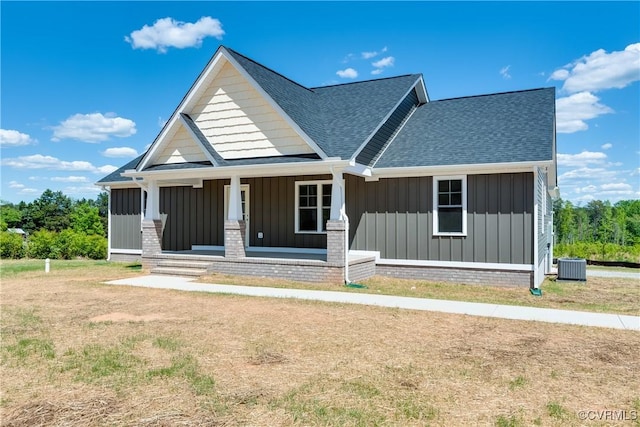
(57, 227)
(598, 230)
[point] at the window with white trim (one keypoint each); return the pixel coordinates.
(313, 206)
(450, 205)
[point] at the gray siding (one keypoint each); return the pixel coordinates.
(193, 216)
(383, 136)
(125, 232)
(394, 216)
(272, 212)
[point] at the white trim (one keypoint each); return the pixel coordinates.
(109, 224)
(246, 171)
(319, 206)
(247, 207)
(535, 229)
(383, 121)
(126, 251)
(197, 141)
(436, 230)
(375, 254)
(468, 169)
(457, 264)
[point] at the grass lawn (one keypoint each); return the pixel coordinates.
(75, 352)
(605, 295)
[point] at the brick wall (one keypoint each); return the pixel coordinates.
(125, 257)
(234, 234)
(151, 241)
(458, 275)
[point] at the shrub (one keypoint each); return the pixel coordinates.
(95, 247)
(11, 245)
(43, 244)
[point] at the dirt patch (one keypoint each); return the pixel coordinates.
(181, 358)
(126, 317)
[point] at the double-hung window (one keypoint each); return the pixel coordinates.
(313, 206)
(450, 205)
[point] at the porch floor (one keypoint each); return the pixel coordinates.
(265, 254)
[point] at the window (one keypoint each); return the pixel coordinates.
(450, 206)
(313, 206)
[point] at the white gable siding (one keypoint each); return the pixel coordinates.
(239, 123)
(181, 148)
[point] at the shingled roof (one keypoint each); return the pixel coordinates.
(497, 128)
(338, 118)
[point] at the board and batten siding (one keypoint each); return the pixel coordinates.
(126, 217)
(240, 123)
(378, 141)
(394, 216)
(195, 216)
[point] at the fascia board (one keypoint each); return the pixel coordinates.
(245, 171)
(276, 107)
(197, 140)
(468, 169)
(382, 122)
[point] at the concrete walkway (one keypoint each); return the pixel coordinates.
(616, 321)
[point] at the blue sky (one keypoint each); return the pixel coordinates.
(86, 86)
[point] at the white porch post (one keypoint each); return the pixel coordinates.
(153, 201)
(235, 200)
(151, 227)
(337, 226)
(337, 197)
(234, 226)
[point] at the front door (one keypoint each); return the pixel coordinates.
(244, 197)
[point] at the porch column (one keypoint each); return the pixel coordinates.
(337, 226)
(151, 226)
(234, 225)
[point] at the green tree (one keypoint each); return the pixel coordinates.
(86, 219)
(51, 211)
(11, 216)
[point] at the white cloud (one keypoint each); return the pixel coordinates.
(377, 71)
(581, 159)
(588, 189)
(373, 54)
(71, 178)
(161, 122)
(585, 198)
(504, 72)
(120, 152)
(616, 186)
(23, 188)
(13, 138)
(573, 110)
(606, 146)
(93, 127)
(82, 190)
(38, 161)
(347, 73)
(167, 32)
(587, 173)
(384, 62)
(601, 70)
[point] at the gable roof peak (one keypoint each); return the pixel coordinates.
(235, 53)
(367, 81)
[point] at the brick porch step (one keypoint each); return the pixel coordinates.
(181, 267)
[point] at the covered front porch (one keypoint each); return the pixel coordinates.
(290, 226)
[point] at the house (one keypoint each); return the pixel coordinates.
(255, 174)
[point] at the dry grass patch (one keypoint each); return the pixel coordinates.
(597, 294)
(232, 360)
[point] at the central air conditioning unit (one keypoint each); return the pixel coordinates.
(572, 269)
